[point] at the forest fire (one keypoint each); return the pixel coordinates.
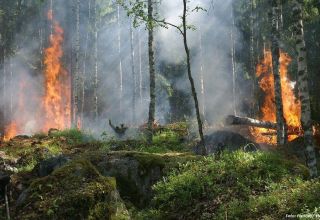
(56, 101)
(10, 131)
(291, 105)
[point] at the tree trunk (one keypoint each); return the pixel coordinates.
(252, 65)
(304, 89)
(152, 105)
(120, 62)
(4, 81)
(140, 66)
(96, 81)
(84, 74)
(203, 95)
(193, 89)
(77, 67)
(234, 77)
(282, 136)
(134, 78)
(235, 120)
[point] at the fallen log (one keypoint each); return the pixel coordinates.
(236, 120)
(290, 133)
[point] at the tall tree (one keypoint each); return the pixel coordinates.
(252, 64)
(304, 88)
(234, 77)
(137, 11)
(152, 105)
(193, 89)
(140, 65)
(76, 85)
(96, 80)
(203, 94)
(134, 78)
(120, 60)
(84, 73)
(281, 123)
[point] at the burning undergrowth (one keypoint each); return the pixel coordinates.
(53, 104)
(291, 103)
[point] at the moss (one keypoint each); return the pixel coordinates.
(226, 184)
(74, 191)
(165, 161)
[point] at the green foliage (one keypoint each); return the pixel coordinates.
(213, 187)
(168, 138)
(74, 136)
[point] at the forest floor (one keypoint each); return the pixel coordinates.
(71, 175)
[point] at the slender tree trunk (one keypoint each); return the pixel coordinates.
(120, 61)
(134, 78)
(252, 65)
(282, 136)
(4, 84)
(140, 66)
(2, 117)
(10, 85)
(304, 89)
(234, 77)
(77, 67)
(96, 80)
(84, 74)
(203, 95)
(51, 10)
(193, 90)
(152, 105)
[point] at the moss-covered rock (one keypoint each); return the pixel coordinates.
(136, 172)
(75, 191)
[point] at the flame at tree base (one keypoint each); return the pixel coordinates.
(291, 105)
(57, 99)
(55, 102)
(10, 131)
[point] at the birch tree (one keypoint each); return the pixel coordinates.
(304, 88)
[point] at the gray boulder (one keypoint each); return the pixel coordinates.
(46, 167)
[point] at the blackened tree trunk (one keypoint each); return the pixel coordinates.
(304, 89)
(152, 105)
(281, 124)
(193, 89)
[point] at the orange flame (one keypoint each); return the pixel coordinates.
(10, 131)
(57, 98)
(291, 105)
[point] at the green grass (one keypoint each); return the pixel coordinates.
(240, 185)
(73, 136)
